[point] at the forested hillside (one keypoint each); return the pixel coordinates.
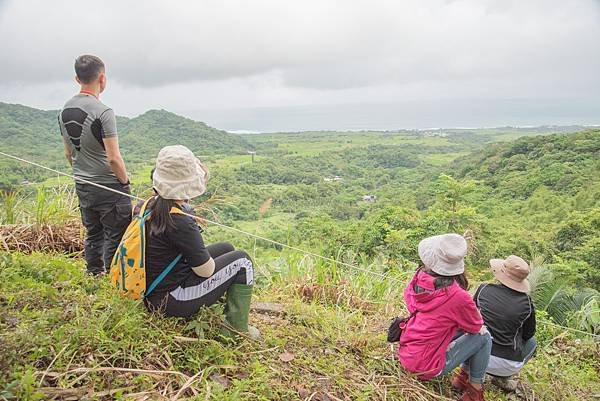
(562, 163)
(34, 134)
(516, 197)
(144, 135)
(548, 187)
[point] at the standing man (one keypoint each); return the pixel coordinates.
(89, 133)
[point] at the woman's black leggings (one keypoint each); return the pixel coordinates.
(231, 266)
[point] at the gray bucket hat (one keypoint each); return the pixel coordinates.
(179, 175)
(444, 254)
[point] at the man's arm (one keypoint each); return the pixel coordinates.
(68, 151)
(111, 145)
(529, 325)
(115, 161)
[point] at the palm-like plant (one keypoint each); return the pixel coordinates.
(587, 317)
(552, 294)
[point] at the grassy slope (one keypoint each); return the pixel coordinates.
(64, 334)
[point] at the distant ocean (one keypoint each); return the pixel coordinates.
(406, 115)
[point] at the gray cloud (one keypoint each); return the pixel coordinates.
(315, 44)
(238, 54)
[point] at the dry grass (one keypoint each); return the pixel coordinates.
(341, 294)
(28, 238)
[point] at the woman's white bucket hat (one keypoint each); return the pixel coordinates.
(179, 175)
(444, 254)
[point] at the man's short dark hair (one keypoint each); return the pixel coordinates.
(88, 68)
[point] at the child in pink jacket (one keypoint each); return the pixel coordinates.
(446, 328)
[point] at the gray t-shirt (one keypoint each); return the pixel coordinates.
(84, 122)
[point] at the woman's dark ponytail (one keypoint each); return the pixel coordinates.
(440, 281)
(160, 218)
(445, 281)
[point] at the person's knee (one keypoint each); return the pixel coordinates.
(95, 235)
(245, 255)
(246, 272)
(486, 340)
(530, 348)
(225, 247)
(239, 254)
(220, 248)
(240, 262)
(532, 344)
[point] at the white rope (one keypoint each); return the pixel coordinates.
(558, 326)
(237, 230)
(293, 248)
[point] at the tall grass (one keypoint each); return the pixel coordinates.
(55, 205)
(335, 283)
(10, 203)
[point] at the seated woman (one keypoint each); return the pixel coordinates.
(203, 274)
(509, 314)
(445, 329)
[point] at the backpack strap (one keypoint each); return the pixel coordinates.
(176, 210)
(162, 275)
(405, 322)
(167, 270)
(143, 212)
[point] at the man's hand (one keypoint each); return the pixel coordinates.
(115, 161)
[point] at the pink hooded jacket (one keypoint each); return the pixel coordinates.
(440, 313)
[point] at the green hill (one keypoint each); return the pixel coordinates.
(541, 196)
(144, 135)
(562, 163)
(34, 134)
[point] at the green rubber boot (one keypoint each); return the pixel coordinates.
(237, 308)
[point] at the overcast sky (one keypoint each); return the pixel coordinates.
(303, 64)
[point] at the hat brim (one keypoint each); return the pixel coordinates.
(181, 190)
(435, 264)
(497, 268)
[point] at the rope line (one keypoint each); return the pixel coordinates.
(237, 230)
(593, 335)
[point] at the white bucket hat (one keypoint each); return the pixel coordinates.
(444, 254)
(179, 175)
